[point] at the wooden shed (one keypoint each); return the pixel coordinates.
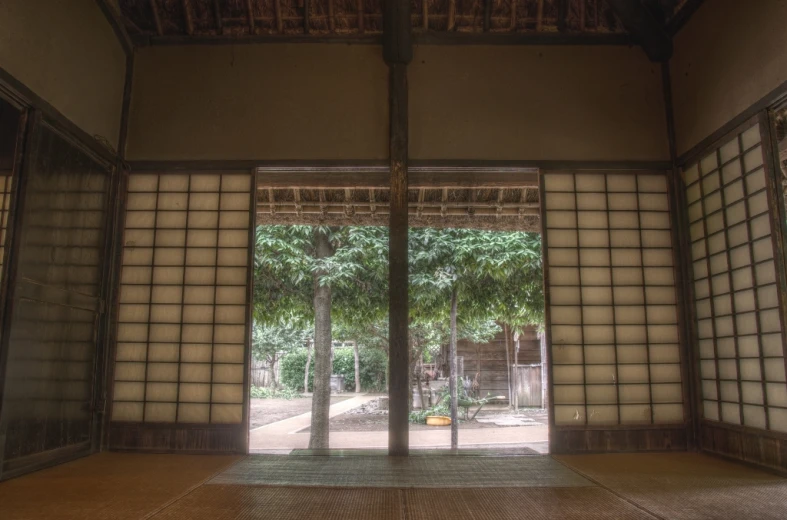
(490, 362)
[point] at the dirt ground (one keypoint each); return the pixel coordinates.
(266, 411)
(349, 422)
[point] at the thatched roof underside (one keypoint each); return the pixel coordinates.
(494, 209)
(239, 18)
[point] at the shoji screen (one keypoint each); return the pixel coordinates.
(55, 300)
(183, 300)
(738, 323)
(612, 301)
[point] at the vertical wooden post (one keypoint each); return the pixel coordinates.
(398, 308)
(397, 51)
(689, 355)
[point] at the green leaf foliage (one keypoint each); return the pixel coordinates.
(498, 276)
(373, 365)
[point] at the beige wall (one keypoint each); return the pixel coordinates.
(529, 102)
(67, 53)
(276, 101)
(729, 55)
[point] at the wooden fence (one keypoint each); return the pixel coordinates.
(262, 373)
(528, 385)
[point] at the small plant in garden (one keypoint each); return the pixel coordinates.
(419, 416)
(285, 392)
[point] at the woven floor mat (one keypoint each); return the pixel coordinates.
(419, 452)
(282, 503)
(687, 485)
(113, 486)
(519, 504)
(407, 472)
(222, 502)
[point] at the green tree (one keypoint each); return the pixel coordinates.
(461, 282)
(311, 274)
(467, 274)
(271, 342)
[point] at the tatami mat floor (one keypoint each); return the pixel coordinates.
(680, 486)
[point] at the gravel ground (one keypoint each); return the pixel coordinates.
(368, 418)
(266, 411)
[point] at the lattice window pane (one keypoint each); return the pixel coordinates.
(612, 298)
(738, 314)
(182, 317)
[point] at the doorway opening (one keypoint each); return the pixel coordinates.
(475, 278)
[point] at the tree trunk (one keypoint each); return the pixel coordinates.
(544, 378)
(418, 374)
(420, 386)
(508, 364)
(452, 376)
(516, 371)
(357, 370)
(308, 365)
(321, 399)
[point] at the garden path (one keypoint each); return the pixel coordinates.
(284, 435)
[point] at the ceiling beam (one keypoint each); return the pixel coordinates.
(644, 28)
(381, 180)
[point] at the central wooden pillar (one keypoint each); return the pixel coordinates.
(397, 51)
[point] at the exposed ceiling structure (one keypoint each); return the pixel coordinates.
(172, 20)
(501, 208)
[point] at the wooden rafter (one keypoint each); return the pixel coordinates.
(279, 22)
(370, 207)
(250, 13)
(296, 195)
(562, 15)
(522, 202)
(448, 22)
(187, 15)
(349, 209)
(510, 209)
(471, 207)
(217, 15)
(372, 202)
(157, 17)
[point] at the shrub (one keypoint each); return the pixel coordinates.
(419, 416)
(373, 365)
(292, 367)
(259, 392)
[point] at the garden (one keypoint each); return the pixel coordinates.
(321, 322)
